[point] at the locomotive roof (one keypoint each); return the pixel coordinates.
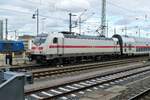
(79, 36)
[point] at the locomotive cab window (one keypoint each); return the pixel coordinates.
(55, 40)
(40, 39)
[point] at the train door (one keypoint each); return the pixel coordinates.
(60, 47)
(56, 46)
(116, 46)
(125, 48)
(130, 48)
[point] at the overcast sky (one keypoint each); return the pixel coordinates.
(132, 14)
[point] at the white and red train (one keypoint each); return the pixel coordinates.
(65, 47)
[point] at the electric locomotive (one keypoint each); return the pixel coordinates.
(72, 47)
(11, 46)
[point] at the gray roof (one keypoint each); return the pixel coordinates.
(78, 36)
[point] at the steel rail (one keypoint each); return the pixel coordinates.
(111, 77)
(42, 66)
(64, 70)
(140, 95)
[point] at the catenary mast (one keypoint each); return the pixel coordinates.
(103, 18)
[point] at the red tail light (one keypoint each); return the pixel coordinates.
(33, 48)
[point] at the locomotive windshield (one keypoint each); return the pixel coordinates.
(40, 39)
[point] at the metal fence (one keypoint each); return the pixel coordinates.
(12, 86)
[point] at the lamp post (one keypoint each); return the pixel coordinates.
(36, 15)
(70, 22)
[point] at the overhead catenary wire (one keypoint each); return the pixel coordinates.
(123, 8)
(31, 13)
(60, 18)
(134, 12)
(128, 10)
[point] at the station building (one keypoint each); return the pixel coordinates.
(27, 39)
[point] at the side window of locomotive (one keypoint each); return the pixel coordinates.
(117, 43)
(55, 40)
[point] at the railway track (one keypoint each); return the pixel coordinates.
(144, 95)
(137, 89)
(64, 70)
(24, 67)
(50, 93)
(143, 91)
(38, 66)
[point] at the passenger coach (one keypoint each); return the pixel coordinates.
(133, 45)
